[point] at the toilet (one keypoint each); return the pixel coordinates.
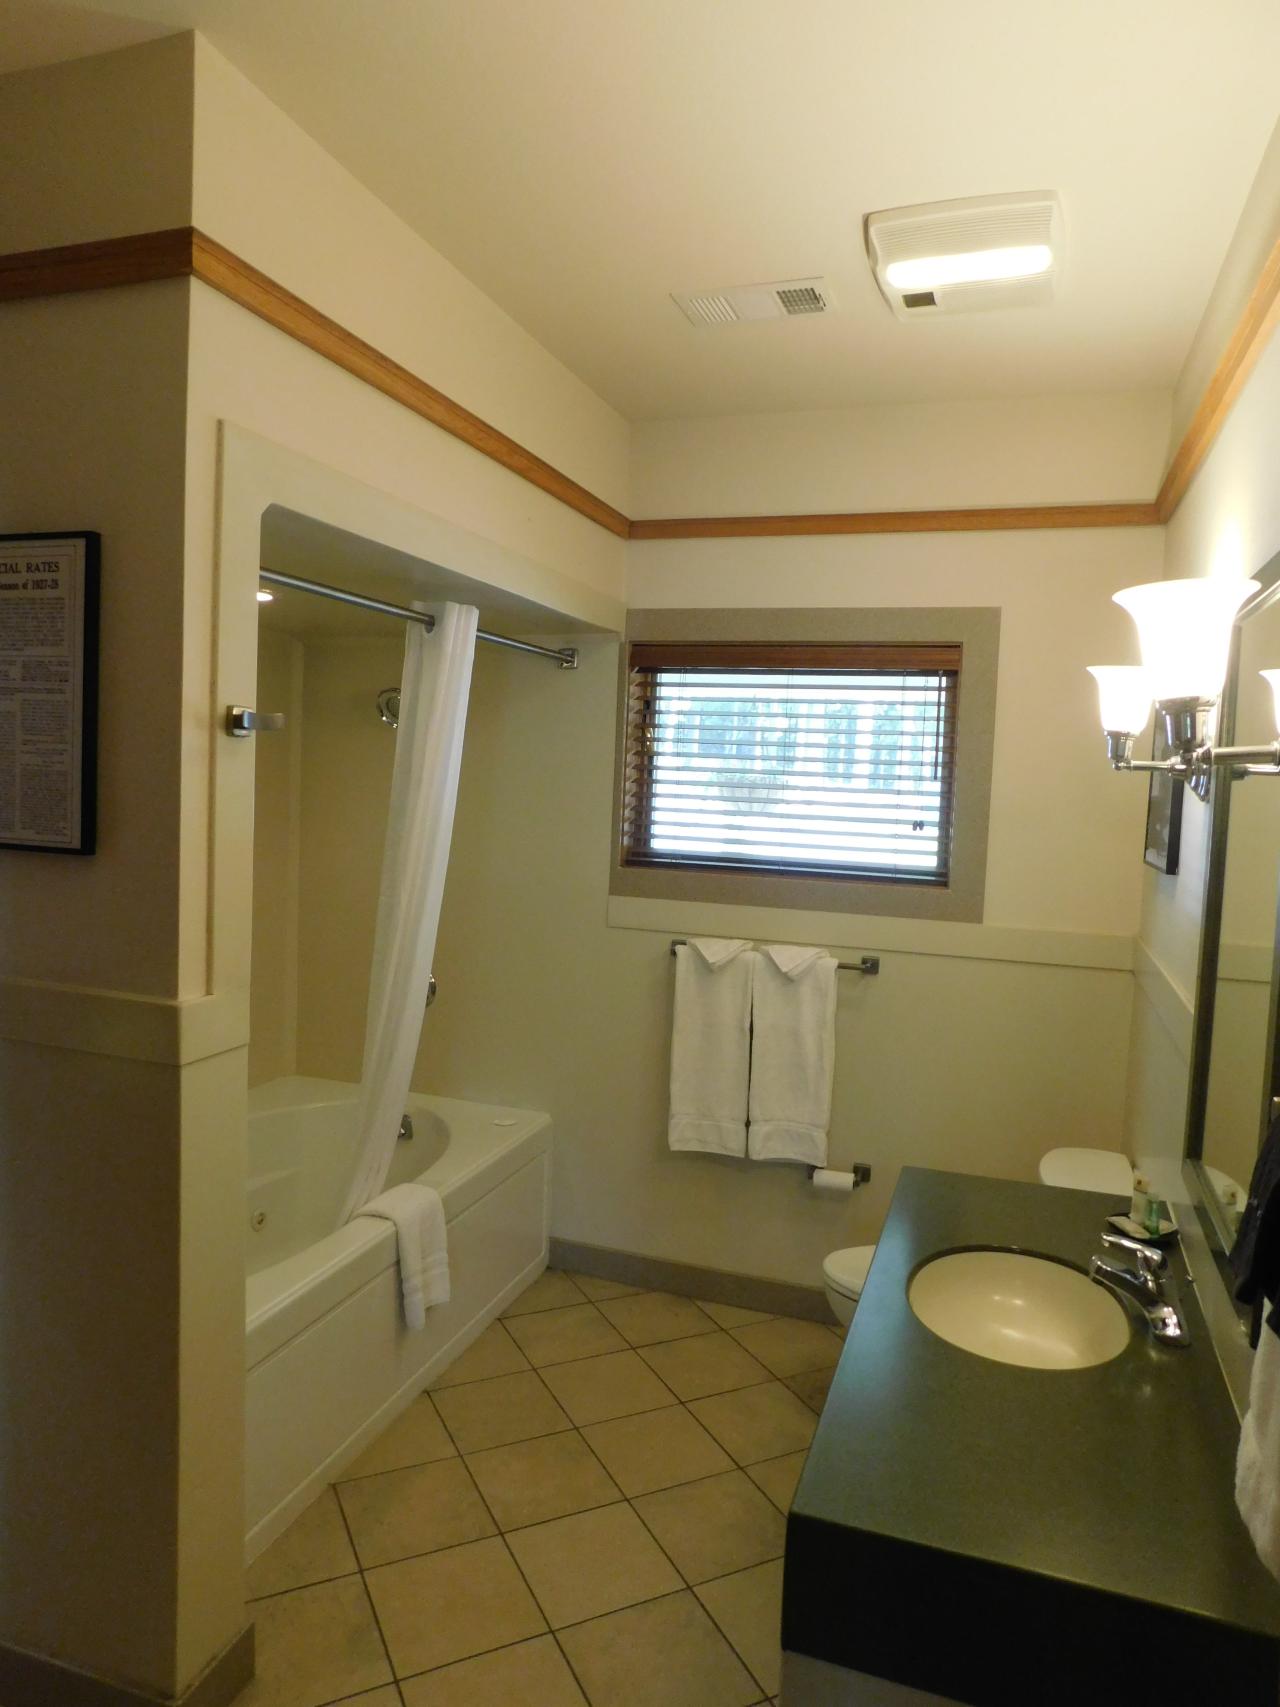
(844, 1273)
(1088, 1170)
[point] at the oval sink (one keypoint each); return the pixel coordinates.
(1019, 1309)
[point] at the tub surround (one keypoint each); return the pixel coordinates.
(976, 1530)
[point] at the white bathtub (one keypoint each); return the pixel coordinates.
(329, 1359)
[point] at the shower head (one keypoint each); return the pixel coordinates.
(389, 707)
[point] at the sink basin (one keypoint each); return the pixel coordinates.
(1019, 1309)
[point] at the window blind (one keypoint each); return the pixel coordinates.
(813, 760)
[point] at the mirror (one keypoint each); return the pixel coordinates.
(1234, 1060)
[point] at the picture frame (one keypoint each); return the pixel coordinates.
(49, 599)
(1164, 811)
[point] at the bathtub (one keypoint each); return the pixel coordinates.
(329, 1360)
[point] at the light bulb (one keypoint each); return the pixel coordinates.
(1124, 696)
(1184, 629)
(264, 597)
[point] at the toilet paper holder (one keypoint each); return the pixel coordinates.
(861, 1172)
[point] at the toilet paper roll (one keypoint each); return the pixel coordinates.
(832, 1183)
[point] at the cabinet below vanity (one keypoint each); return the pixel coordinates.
(974, 1532)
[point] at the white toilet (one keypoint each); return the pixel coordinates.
(1088, 1170)
(844, 1273)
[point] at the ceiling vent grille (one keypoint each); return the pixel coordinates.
(910, 247)
(756, 302)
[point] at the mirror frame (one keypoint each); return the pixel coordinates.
(1209, 1211)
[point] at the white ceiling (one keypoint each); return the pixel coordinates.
(580, 159)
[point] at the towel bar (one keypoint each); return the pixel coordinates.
(869, 964)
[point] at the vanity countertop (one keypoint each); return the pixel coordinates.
(1000, 1535)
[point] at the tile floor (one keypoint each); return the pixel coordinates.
(585, 1510)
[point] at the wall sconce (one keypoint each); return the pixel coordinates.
(1184, 630)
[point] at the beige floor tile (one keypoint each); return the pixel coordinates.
(314, 1547)
(531, 1674)
(596, 1289)
(536, 1480)
(414, 1511)
(732, 1315)
(315, 1644)
(447, 1606)
(596, 1562)
(778, 1477)
(715, 1526)
(555, 1336)
(788, 1347)
(813, 1387)
(757, 1422)
(494, 1353)
(494, 1413)
(387, 1697)
(596, 1388)
(416, 1437)
(647, 1317)
(706, 1363)
(666, 1653)
(655, 1450)
(748, 1608)
(549, 1292)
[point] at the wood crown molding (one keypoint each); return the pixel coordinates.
(187, 253)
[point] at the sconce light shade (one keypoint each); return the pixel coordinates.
(1272, 679)
(1184, 629)
(1124, 696)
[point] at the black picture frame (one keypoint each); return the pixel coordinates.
(27, 562)
(1164, 811)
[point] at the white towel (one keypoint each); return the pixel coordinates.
(1258, 1462)
(793, 1018)
(418, 1215)
(711, 1046)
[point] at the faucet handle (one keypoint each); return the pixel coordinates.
(1149, 1260)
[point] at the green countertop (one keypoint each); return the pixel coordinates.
(1102, 1494)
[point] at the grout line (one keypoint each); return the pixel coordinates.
(364, 1584)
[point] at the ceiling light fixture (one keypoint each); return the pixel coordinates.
(264, 597)
(973, 267)
(980, 252)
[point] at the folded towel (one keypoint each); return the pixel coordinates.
(792, 1054)
(1258, 1462)
(418, 1215)
(711, 1047)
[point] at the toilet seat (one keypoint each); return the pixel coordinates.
(1088, 1170)
(846, 1271)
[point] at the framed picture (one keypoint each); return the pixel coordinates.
(48, 691)
(1164, 811)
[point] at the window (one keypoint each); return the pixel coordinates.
(814, 761)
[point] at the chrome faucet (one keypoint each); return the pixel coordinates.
(1148, 1284)
(405, 1134)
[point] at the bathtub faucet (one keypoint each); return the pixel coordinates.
(405, 1134)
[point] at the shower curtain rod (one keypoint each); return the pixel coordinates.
(565, 656)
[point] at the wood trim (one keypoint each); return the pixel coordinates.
(795, 655)
(222, 271)
(1254, 327)
(184, 252)
(96, 266)
(900, 521)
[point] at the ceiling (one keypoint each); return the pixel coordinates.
(581, 159)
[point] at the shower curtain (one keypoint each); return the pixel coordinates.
(424, 789)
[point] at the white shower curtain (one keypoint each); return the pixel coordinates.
(424, 788)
